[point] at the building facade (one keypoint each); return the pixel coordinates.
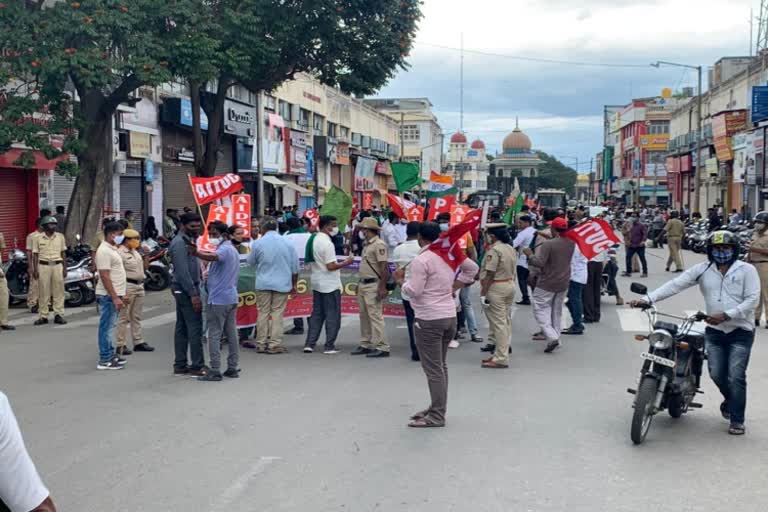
(517, 161)
(467, 164)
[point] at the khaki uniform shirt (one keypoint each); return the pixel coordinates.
(49, 248)
(675, 228)
(375, 251)
(759, 241)
(501, 259)
(133, 264)
(31, 239)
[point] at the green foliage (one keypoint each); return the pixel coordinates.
(554, 174)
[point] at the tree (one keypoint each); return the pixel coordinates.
(554, 174)
(356, 46)
(72, 64)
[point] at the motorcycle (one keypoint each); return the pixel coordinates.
(17, 277)
(79, 285)
(671, 373)
(157, 275)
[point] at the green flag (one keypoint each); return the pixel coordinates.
(406, 175)
(518, 205)
(509, 216)
(339, 204)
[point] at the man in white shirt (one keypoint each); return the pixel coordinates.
(326, 286)
(390, 233)
(404, 254)
(21, 488)
(575, 290)
(523, 239)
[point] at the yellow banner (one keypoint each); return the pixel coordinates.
(654, 142)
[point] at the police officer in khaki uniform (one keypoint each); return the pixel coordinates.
(498, 276)
(33, 292)
(675, 229)
(758, 256)
(132, 314)
(50, 268)
(371, 292)
(4, 293)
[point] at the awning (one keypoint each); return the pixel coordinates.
(280, 183)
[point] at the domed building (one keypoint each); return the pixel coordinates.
(471, 159)
(517, 160)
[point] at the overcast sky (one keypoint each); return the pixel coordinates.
(560, 106)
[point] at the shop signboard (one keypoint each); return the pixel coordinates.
(139, 145)
(759, 103)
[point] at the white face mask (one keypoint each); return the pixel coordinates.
(444, 227)
(335, 231)
(214, 241)
(119, 239)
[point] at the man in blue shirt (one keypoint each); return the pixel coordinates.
(277, 271)
(221, 310)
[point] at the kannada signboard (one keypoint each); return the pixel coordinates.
(657, 142)
(724, 126)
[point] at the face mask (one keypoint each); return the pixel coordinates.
(444, 227)
(119, 239)
(133, 244)
(722, 256)
(214, 241)
(335, 231)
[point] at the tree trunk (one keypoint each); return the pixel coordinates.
(215, 111)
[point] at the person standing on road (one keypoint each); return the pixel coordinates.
(49, 262)
(524, 238)
(731, 290)
(33, 289)
(221, 310)
(4, 292)
(430, 285)
(626, 228)
(372, 291)
(61, 219)
(21, 488)
(575, 292)
(758, 256)
(133, 312)
(553, 260)
(638, 233)
(675, 229)
(277, 273)
(497, 293)
(186, 292)
(593, 288)
(110, 294)
(325, 279)
(404, 254)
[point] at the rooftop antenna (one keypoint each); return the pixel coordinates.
(761, 43)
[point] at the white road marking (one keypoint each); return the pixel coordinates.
(238, 487)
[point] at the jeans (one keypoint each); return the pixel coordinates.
(188, 334)
(575, 305)
(410, 315)
(107, 321)
(612, 269)
(728, 357)
(640, 251)
(222, 320)
(326, 309)
(522, 281)
(469, 312)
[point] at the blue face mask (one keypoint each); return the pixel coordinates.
(722, 256)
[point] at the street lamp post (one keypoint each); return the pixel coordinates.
(700, 135)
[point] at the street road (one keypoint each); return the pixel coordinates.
(327, 433)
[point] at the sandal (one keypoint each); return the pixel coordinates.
(424, 423)
(538, 337)
(737, 429)
(420, 415)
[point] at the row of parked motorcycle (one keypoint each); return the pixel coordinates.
(80, 283)
(696, 234)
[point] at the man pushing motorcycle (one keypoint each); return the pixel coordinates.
(731, 290)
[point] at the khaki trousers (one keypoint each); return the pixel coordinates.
(675, 244)
(51, 289)
(501, 296)
(762, 270)
(132, 314)
(371, 317)
(33, 293)
(271, 306)
(4, 298)
(432, 339)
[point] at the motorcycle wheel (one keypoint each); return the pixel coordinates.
(641, 419)
(158, 279)
(77, 297)
(675, 407)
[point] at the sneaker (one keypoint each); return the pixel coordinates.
(331, 351)
(476, 339)
(143, 347)
(109, 365)
(308, 350)
(362, 351)
(210, 376)
(454, 344)
(552, 346)
(232, 373)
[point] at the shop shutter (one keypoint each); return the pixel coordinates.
(177, 192)
(62, 190)
(13, 209)
(131, 191)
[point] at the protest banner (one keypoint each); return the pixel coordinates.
(207, 190)
(241, 212)
(592, 237)
(215, 213)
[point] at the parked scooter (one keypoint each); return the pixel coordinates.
(17, 277)
(157, 275)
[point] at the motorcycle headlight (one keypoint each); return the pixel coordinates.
(660, 339)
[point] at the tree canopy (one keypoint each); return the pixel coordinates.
(554, 174)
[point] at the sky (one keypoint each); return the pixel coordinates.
(560, 105)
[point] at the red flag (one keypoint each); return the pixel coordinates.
(448, 246)
(592, 237)
(399, 205)
(314, 218)
(439, 205)
(415, 214)
(207, 190)
(458, 213)
(216, 213)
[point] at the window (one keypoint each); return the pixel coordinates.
(122, 141)
(284, 109)
(658, 128)
(303, 119)
(344, 132)
(270, 102)
(318, 123)
(410, 133)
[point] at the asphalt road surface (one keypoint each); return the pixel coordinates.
(328, 433)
